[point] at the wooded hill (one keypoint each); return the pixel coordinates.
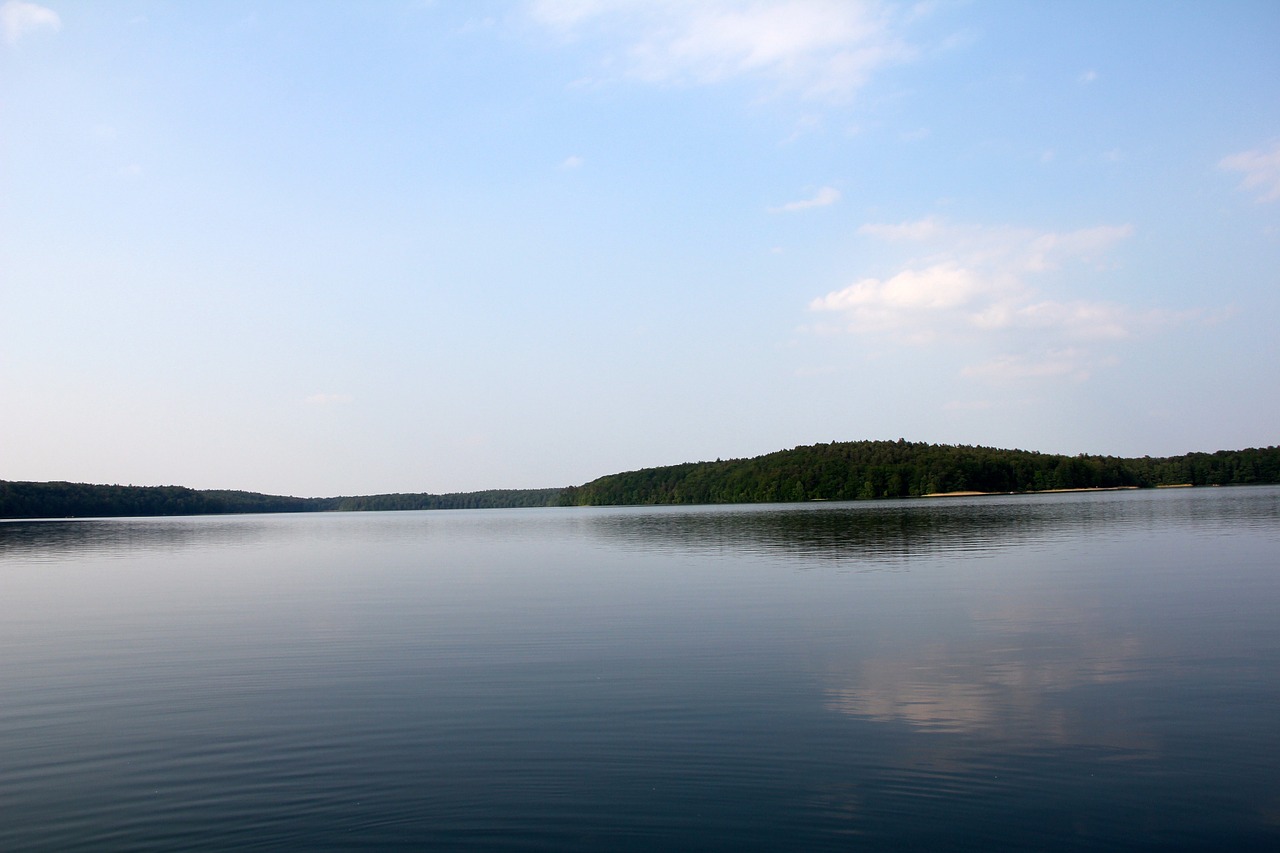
(838, 471)
(894, 469)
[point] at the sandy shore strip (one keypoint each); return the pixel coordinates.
(1035, 492)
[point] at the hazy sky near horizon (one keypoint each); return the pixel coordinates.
(336, 248)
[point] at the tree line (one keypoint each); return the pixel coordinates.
(838, 471)
(895, 469)
(83, 500)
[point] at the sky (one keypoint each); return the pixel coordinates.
(402, 246)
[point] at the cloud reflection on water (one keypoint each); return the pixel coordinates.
(1050, 638)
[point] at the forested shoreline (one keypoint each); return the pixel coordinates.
(867, 470)
(84, 500)
(859, 470)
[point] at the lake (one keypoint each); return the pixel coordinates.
(1071, 671)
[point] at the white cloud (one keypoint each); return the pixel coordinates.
(916, 305)
(17, 19)
(1087, 77)
(824, 197)
(940, 286)
(819, 48)
(572, 162)
(1261, 168)
(974, 285)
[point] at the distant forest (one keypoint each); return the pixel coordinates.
(858, 470)
(81, 500)
(864, 470)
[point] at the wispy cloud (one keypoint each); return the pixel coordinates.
(943, 285)
(975, 283)
(805, 125)
(1073, 364)
(571, 162)
(1006, 246)
(819, 48)
(1087, 77)
(1261, 169)
(823, 198)
(922, 229)
(18, 19)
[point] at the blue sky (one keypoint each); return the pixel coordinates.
(337, 248)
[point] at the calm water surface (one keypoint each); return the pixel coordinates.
(1070, 671)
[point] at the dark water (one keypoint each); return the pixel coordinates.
(1095, 671)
